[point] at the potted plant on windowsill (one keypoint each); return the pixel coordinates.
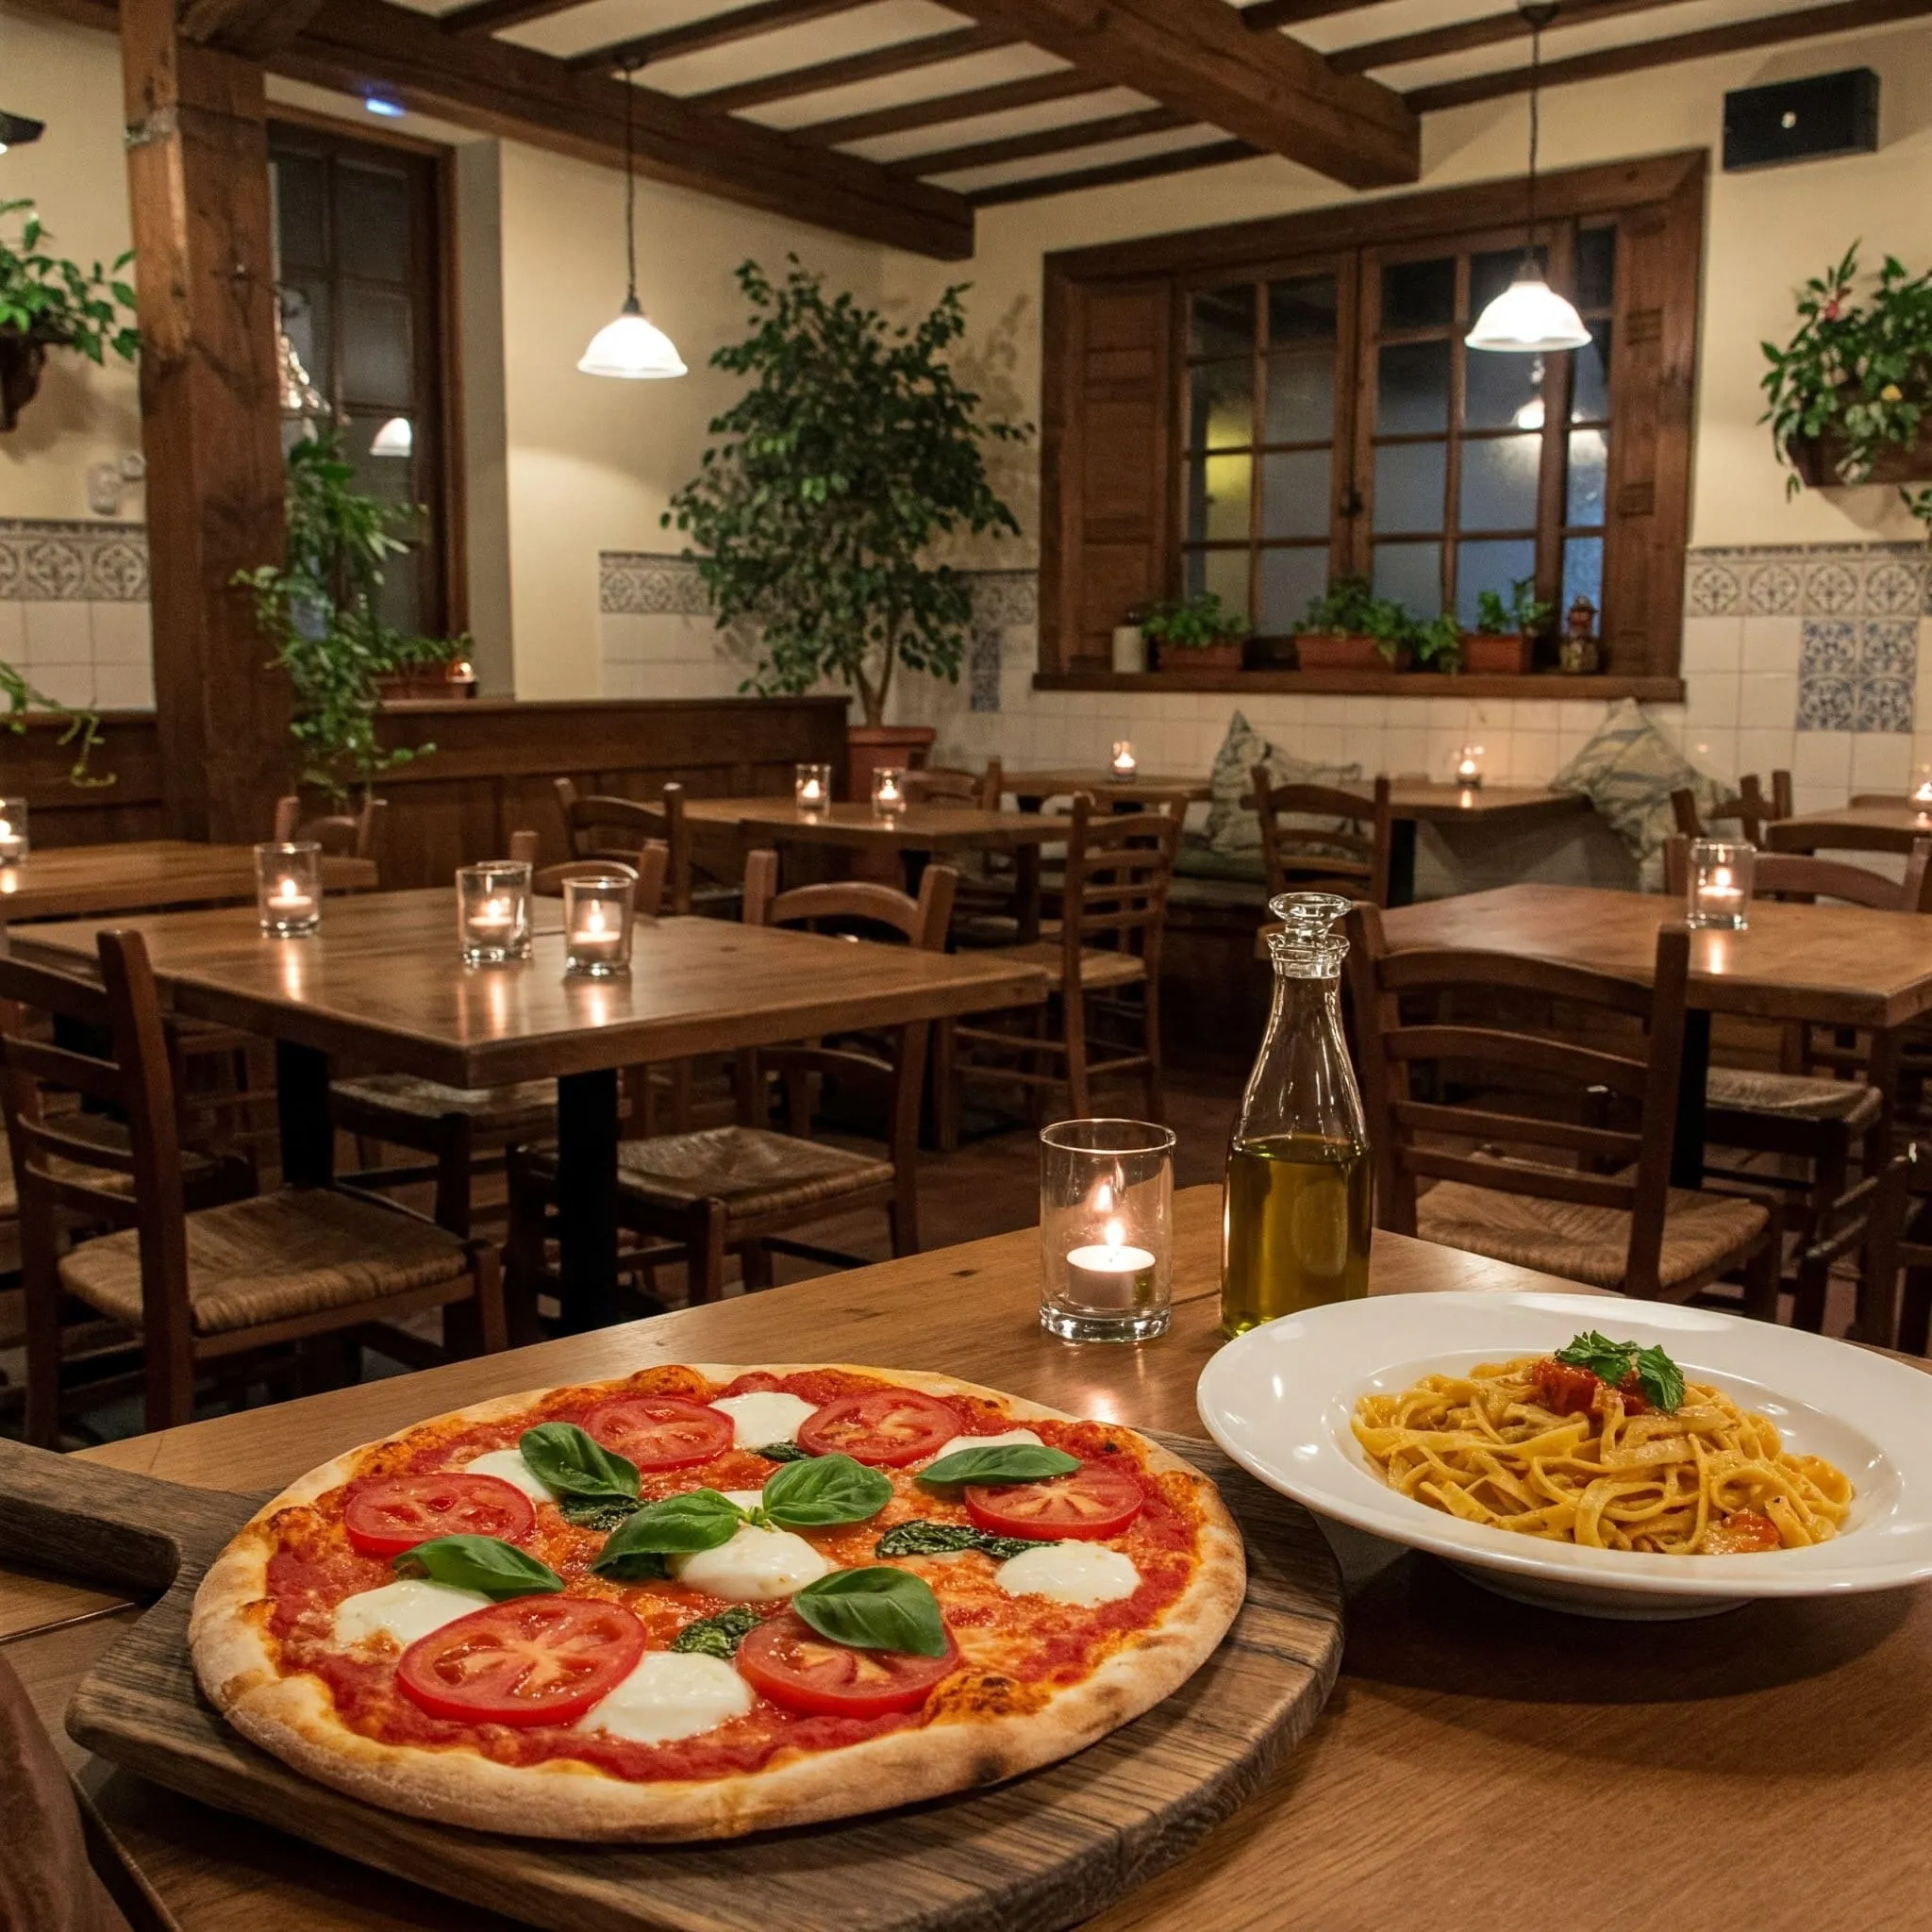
(1851, 394)
(1345, 628)
(49, 302)
(1503, 640)
(1200, 633)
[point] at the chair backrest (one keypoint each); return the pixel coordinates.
(1119, 869)
(1321, 839)
(1796, 876)
(648, 866)
(952, 784)
(1587, 1124)
(921, 922)
(1751, 810)
(1808, 835)
(600, 825)
(340, 835)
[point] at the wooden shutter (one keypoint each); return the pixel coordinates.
(1107, 472)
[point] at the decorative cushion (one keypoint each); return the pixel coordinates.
(1232, 828)
(1792, 1096)
(1628, 771)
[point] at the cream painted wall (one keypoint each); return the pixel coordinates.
(593, 461)
(1765, 233)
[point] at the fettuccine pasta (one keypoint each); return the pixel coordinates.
(1542, 1448)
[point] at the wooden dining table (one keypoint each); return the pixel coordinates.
(144, 875)
(381, 983)
(1477, 1758)
(1891, 826)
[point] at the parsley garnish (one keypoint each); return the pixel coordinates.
(1615, 1362)
(920, 1539)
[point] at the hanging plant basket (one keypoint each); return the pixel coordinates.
(1817, 459)
(22, 360)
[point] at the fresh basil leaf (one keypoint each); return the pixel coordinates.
(874, 1609)
(1007, 1462)
(597, 1512)
(822, 1490)
(1660, 1378)
(719, 1635)
(1615, 1362)
(575, 1463)
(783, 1452)
(922, 1539)
(677, 1526)
(485, 1563)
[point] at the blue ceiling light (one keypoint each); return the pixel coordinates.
(381, 104)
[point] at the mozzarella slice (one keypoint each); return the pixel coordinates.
(757, 1566)
(1082, 1574)
(765, 1418)
(403, 1611)
(509, 1465)
(960, 1442)
(671, 1695)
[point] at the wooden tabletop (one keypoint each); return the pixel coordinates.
(1902, 819)
(75, 881)
(381, 981)
(1461, 1720)
(1062, 781)
(1839, 965)
(918, 828)
(1448, 805)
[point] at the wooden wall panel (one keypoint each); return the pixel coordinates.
(34, 765)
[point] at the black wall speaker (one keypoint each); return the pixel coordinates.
(1801, 120)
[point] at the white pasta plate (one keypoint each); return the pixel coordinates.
(1279, 1400)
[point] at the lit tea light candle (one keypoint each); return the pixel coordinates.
(1111, 1272)
(493, 912)
(1922, 795)
(1720, 876)
(598, 914)
(599, 936)
(12, 830)
(1469, 771)
(288, 888)
(462, 672)
(1125, 764)
(493, 920)
(288, 901)
(811, 787)
(889, 791)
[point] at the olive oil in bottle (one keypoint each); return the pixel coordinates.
(1296, 1210)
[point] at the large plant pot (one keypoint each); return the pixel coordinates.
(1326, 651)
(870, 746)
(1225, 655)
(1486, 655)
(21, 358)
(1816, 460)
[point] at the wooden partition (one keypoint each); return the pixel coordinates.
(34, 765)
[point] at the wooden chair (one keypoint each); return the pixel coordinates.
(953, 785)
(467, 1131)
(600, 825)
(340, 835)
(1102, 973)
(744, 1187)
(204, 1286)
(1561, 1159)
(1749, 808)
(1320, 839)
(1802, 838)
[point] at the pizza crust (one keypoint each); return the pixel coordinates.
(293, 1718)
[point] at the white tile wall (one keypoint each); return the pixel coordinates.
(74, 613)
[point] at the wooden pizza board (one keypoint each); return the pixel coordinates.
(1046, 1850)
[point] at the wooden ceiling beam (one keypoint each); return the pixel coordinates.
(1046, 140)
(714, 30)
(1846, 16)
(1141, 169)
(1196, 57)
(1266, 15)
(514, 92)
(1065, 84)
(1463, 34)
(253, 29)
(904, 57)
(487, 16)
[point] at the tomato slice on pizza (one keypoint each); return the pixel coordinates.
(886, 1427)
(388, 1515)
(662, 1431)
(797, 1668)
(1093, 1502)
(533, 1660)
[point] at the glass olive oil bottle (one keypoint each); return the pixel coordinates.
(1296, 1210)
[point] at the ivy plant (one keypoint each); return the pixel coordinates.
(83, 731)
(1857, 371)
(853, 451)
(321, 607)
(45, 298)
(1194, 623)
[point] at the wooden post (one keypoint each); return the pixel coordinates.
(197, 169)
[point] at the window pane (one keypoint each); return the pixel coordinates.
(1222, 321)
(1290, 581)
(1590, 385)
(1589, 460)
(1490, 567)
(1301, 397)
(1583, 574)
(1411, 574)
(1596, 267)
(1217, 490)
(1412, 389)
(373, 206)
(1409, 482)
(1499, 483)
(1302, 311)
(1419, 294)
(1294, 494)
(1489, 274)
(1502, 392)
(376, 347)
(301, 211)
(1221, 413)
(1224, 572)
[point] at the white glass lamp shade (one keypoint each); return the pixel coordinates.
(1528, 317)
(397, 438)
(632, 347)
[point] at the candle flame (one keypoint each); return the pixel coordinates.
(1721, 878)
(594, 922)
(6, 828)
(1116, 1234)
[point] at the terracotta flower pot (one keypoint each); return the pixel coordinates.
(870, 746)
(1816, 460)
(1482, 653)
(1328, 651)
(1225, 655)
(21, 358)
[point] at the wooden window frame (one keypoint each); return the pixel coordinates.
(1657, 206)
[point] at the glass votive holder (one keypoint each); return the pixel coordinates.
(1122, 765)
(1720, 889)
(494, 911)
(1106, 1230)
(889, 791)
(597, 918)
(1469, 768)
(288, 888)
(811, 787)
(13, 847)
(1921, 794)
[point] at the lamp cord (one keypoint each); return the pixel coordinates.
(1539, 13)
(631, 185)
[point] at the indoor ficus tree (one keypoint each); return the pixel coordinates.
(852, 452)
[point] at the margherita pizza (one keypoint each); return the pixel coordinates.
(708, 1600)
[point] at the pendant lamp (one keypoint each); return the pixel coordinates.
(632, 347)
(1529, 317)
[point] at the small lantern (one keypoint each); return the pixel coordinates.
(1124, 764)
(811, 787)
(889, 791)
(1720, 889)
(288, 888)
(13, 846)
(598, 915)
(493, 912)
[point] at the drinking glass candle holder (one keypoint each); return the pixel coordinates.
(493, 912)
(889, 791)
(1921, 800)
(288, 888)
(1469, 768)
(1124, 764)
(13, 846)
(811, 787)
(597, 918)
(1106, 1230)
(1720, 890)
